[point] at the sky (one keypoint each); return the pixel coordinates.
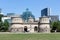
(35, 6)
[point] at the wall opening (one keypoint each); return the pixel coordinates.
(25, 29)
(35, 28)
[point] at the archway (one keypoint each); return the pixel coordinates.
(35, 28)
(25, 29)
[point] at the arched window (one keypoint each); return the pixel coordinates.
(25, 28)
(35, 28)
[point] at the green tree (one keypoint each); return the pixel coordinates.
(6, 25)
(58, 28)
(55, 26)
(1, 25)
(1, 17)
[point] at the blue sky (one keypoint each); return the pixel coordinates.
(35, 6)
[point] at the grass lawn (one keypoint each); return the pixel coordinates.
(30, 36)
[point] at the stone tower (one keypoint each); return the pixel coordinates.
(16, 24)
(44, 24)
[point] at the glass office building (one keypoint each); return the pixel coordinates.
(45, 12)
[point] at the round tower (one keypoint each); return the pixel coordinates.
(44, 24)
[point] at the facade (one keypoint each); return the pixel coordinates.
(19, 25)
(45, 12)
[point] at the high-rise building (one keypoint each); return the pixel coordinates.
(54, 18)
(10, 14)
(1, 11)
(45, 12)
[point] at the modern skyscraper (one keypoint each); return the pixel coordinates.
(45, 12)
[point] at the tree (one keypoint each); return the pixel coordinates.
(1, 17)
(1, 25)
(58, 28)
(6, 25)
(55, 26)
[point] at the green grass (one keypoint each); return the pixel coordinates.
(30, 36)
